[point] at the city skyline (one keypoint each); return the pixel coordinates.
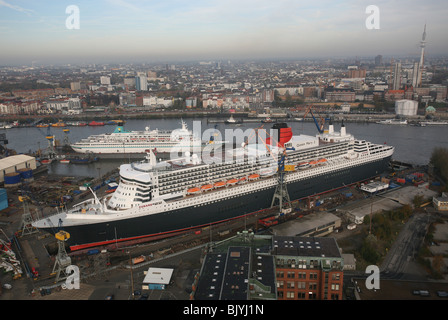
(119, 31)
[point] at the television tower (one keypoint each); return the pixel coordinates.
(422, 57)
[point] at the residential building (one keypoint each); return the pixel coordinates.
(75, 86)
(105, 80)
(393, 95)
(340, 94)
(263, 267)
(141, 83)
(396, 85)
(360, 73)
(378, 60)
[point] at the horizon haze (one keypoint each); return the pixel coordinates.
(125, 31)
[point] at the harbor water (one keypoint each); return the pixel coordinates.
(412, 144)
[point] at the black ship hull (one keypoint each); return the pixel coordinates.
(166, 223)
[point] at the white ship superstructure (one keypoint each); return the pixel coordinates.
(159, 197)
(122, 141)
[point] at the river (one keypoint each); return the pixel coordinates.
(412, 144)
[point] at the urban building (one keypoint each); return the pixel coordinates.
(378, 60)
(75, 86)
(141, 83)
(10, 166)
(314, 225)
(105, 80)
(396, 85)
(263, 267)
(157, 278)
(406, 107)
(441, 203)
(357, 73)
(340, 94)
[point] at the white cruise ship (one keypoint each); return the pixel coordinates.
(163, 198)
(130, 142)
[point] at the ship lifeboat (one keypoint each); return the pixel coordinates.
(193, 190)
(242, 180)
(322, 161)
(207, 187)
(267, 172)
(220, 184)
(231, 182)
(313, 163)
(254, 176)
(303, 165)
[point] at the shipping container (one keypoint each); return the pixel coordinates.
(12, 179)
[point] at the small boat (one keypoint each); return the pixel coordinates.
(207, 187)
(46, 161)
(254, 176)
(43, 125)
(94, 123)
(220, 184)
(393, 122)
(64, 161)
(233, 121)
(58, 124)
(82, 159)
(267, 120)
(193, 190)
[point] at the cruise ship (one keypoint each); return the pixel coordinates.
(122, 141)
(161, 198)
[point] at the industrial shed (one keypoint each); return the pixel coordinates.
(157, 278)
(13, 164)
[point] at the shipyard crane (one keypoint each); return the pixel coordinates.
(62, 260)
(50, 151)
(26, 226)
(281, 194)
(319, 125)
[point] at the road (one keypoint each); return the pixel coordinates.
(402, 254)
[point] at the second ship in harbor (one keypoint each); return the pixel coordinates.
(122, 141)
(162, 198)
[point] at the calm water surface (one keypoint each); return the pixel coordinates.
(412, 144)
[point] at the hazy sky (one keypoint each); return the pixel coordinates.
(146, 31)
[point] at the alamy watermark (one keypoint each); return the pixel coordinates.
(373, 20)
(251, 144)
(373, 280)
(73, 20)
(72, 281)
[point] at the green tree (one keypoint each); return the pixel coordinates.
(368, 252)
(439, 159)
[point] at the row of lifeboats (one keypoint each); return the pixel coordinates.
(221, 184)
(313, 163)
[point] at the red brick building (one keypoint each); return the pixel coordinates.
(308, 269)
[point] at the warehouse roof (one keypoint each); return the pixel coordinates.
(14, 160)
(158, 276)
